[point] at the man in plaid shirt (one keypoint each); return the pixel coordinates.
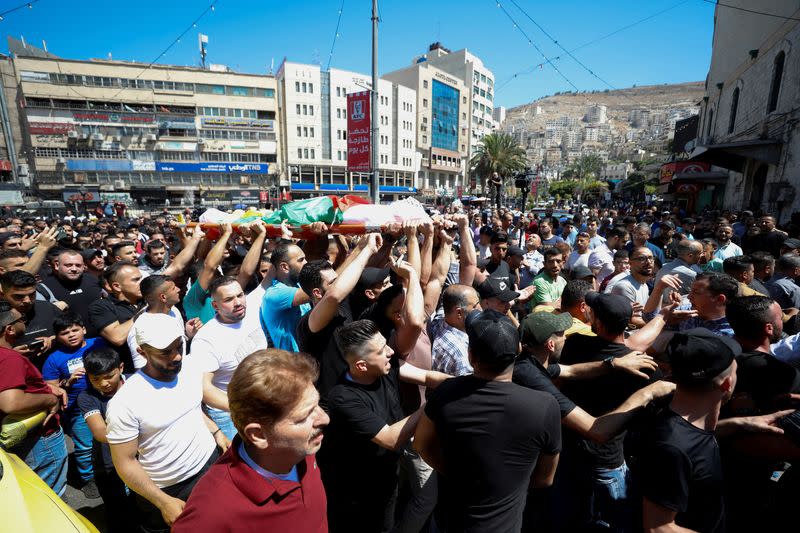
(450, 341)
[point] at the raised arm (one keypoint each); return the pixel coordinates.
(412, 247)
(439, 271)
(181, 261)
(426, 253)
(253, 257)
(413, 310)
(45, 242)
(214, 257)
(467, 256)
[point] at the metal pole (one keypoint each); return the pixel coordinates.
(373, 186)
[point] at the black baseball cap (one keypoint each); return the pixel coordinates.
(580, 272)
(492, 336)
(792, 243)
(667, 224)
(497, 288)
(89, 253)
(538, 327)
(372, 276)
(697, 356)
(611, 310)
(516, 250)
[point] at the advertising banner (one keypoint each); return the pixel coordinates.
(359, 156)
(73, 196)
(116, 165)
(229, 122)
(49, 128)
(668, 170)
(231, 168)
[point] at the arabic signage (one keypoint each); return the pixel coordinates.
(668, 170)
(116, 165)
(75, 197)
(49, 128)
(243, 196)
(358, 132)
(228, 122)
(138, 118)
(229, 168)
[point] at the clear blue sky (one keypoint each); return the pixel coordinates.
(248, 34)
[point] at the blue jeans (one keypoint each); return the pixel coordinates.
(81, 435)
(223, 420)
(611, 504)
(47, 456)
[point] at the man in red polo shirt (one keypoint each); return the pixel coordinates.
(268, 480)
(24, 392)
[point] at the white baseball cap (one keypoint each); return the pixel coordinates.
(157, 330)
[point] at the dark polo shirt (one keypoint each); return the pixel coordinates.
(232, 497)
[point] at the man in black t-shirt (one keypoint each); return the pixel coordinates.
(330, 310)
(489, 438)
(595, 478)
(496, 267)
(679, 471)
(18, 288)
(69, 283)
(770, 239)
(367, 431)
(112, 317)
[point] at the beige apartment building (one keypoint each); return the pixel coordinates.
(164, 135)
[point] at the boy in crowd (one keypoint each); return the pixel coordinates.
(103, 372)
(64, 368)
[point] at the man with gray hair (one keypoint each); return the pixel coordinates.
(782, 286)
(449, 350)
(640, 238)
(684, 266)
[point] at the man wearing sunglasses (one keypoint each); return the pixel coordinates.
(633, 287)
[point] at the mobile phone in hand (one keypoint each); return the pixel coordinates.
(35, 345)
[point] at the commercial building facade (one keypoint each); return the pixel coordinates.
(157, 135)
(313, 107)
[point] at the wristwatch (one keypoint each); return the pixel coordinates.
(609, 362)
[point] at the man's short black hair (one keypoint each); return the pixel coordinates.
(550, 252)
(618, 232)
(220, 282)
(748, 315)
(737, 265)
(67, 320)
(311, 274)
(621, 254)
(152, 283)
(100, 361)
(499, 237)
(156, 244)
(719, 283)
(787, 263)
(281, 253)
(17, 279)
(574, 293)
(761, 260)
(121, 244)
(13, 253)
(111, 273)
(352, 338)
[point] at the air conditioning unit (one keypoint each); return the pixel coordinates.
(244, 180)
(98, 137)
(201, 142)
(150, 137)
(72, 134)
(79, 177)
(61, 161)
(22, 170)
(119, 184)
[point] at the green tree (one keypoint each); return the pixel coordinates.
(562, 188)
(498, 152)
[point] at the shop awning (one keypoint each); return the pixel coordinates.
(711, 177)
(734, 155)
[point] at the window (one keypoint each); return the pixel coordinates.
(710, 116)
(240, 91)
(312, 153)
(305, 153)
(300, 153)
(305, 109)
(305, 87)
(424, 102)
(424, 84)
(299, 132)
(338, 113)
(311, 110)
(424, 139)
(297, 86)
(734, 109)
(311, 130)
(775, 87)
(305, 131)
(338, 91)
(311, 88)
(298, 109)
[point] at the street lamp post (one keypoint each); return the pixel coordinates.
(373, 186)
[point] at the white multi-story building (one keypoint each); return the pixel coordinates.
(596, 114)
(590, 134)
(616, 172)
(442, 110)
(499, 115)
(313, 108)
(572, 139)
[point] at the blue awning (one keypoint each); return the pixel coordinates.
(302, 186)
(395, 189)
(334, 187)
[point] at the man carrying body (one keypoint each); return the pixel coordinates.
(285, 302)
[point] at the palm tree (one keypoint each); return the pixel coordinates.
(498, 152)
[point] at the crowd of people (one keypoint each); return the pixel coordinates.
(481, 370)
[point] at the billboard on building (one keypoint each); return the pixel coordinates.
(359, 155)
(668, 170)
(231, 168)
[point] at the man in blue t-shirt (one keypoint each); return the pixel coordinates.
(284, 302)
(64, 368)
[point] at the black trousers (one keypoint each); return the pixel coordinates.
(150, 516)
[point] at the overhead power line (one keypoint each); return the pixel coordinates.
(29, 5)
(593, 41)
(335, 35)
(753, 11)
(191, 26)
(530, 41)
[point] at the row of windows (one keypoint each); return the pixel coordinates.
(478, 91)
(384, 100)
(227, 112)
(177, 156)
(116, 107)
(341, 113)
(303, 153)
(407, 125)
(406, 161)
(305, 131)
(79, 154)
(384, 159)
(341, 135)
(304, 87)
(384, 139)
(238, 135)
(232, 157)
(236, 157)
(384, 120)
(131, 83)
(478, 77)
(305, 108)
(407, 107)
(407, 143)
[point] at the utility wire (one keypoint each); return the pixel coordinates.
(29, 5)
(753, 11)
(335, 35)
(530, 41)
(173, 43)
(593, 41)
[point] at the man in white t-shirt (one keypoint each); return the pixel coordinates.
(223, 342)
(161, 442)
(634, 286)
